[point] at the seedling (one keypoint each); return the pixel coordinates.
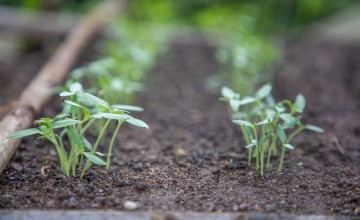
(264, 123)
(80, 111)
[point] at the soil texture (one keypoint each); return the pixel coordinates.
(192, 158)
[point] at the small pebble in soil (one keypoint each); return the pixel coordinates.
(181, 152)
(45, 169)
(16, 167)
(130, 205)
(243, 207)
(141, 186)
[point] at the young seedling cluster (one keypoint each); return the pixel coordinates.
(267, 125)
(80, 111)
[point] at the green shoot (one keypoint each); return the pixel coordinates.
(267, 125)
(81, 109)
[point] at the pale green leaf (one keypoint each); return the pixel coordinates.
(289, 146)
(264, 91)
(314, 128)
(64, 123)
(242, 122)
(94, 159)
(24, 133)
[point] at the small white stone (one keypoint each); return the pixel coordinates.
(130, 205)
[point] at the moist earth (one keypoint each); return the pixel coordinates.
(193, 158)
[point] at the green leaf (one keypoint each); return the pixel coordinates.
(291, 123)
(234, 104)
(66, 93)
(87, 143)
(280, 108)
(264, 91)
(250, 145)
(137, 122)
(266, 121)
(247, 100)
(128, 108)
(282, 135)
(300, 103)
(242, 122)
(64, 123)
(24, 133)
(286, 117)
(94, 159)
(227, 92)
(90, 99)
(314, 128)
(74, 138)
(100, 154)
(289, 146)
(73, 104)
(75, 87)
(62, 115)
(112, 116)
(248, 132)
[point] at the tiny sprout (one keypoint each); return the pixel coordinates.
(267, 125)
(81, 109)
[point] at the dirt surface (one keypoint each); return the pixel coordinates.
(192, 157)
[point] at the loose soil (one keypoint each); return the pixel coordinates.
(192, 157)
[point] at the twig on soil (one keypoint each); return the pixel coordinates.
(52, 74)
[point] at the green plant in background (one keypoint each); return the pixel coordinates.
(130, 53)
(81, 109)
(265, 123)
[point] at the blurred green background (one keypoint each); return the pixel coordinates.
(247, 31)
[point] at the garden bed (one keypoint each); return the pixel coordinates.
(192, 158)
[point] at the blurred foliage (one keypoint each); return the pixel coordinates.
(52, 5)
(243, 28)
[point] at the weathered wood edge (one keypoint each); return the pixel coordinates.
(52, 74)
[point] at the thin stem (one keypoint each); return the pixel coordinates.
(101, 134)
(256, 147)
(282, 159)
(112, 143)
(247, 141)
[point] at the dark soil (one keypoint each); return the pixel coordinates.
(193, 158)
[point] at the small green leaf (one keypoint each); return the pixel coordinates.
(282, 135)
(24, 133)
(242, 122)
(227, 92)
(90, 99)
(300, 103)
(74, 138)
(286, 117)
(234, 104)
(100, 154)
(137, 122)
(248, 132)
(87, 143)
(264, 91)
(280, 108)
(73, 104)
(288, 146)
(292, 123)
(128, 108)
(66, 93)
(250, 145)
(112, 116)
(62, 115)
(266, 121)
(64, 123)
(75, 87)
(94, 159)
(247, 100)
(314, 128)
